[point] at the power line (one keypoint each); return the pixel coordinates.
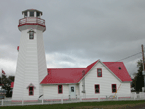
(126, 58)
(129, 56)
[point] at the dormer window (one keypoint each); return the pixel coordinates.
(31, 13)
(99, 72)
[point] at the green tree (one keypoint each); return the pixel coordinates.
(138, 81)
(6, 84)
(134, 80)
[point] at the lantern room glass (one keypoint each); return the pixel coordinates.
(31, 13)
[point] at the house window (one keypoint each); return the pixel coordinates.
(60, 89)
(72, 89)
(31, 34)
(113, 88)
(31, 90)
(97, 88)
(99, 72)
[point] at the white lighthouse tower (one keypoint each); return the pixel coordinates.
(31, 64)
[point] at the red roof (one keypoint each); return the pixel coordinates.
(119, 70)
(74, 75)
(63, 75)
(12, 84)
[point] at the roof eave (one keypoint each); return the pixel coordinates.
(32, 10)
(56, 83)
(88, 71)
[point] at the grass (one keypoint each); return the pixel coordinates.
(82, 105)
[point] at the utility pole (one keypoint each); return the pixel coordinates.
(143, 72)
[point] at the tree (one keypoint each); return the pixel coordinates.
(134, 80)
(6, 84)
(138, 81)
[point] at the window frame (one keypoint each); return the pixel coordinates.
(25, 14)
(32, 90)
(37, 14)
(99, 72)
(29, 35)
(60, 89)
(95, 88)
(114, 88)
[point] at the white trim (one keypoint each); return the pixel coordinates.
(31, 85)
(58, 83)
(31, 29)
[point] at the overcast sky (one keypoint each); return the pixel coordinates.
(78, 32)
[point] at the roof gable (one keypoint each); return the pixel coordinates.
(119, 70)
(74, 75)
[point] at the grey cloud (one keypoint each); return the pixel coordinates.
(83, 30)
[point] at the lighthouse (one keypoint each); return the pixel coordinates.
(31, 63)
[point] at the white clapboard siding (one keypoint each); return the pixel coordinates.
(105, 82)
(51, 91)
(77, 89)
(42, 67)
(31, 65)
(20, 69)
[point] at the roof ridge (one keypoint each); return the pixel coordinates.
(66, 68)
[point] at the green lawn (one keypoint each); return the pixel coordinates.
(74, 105)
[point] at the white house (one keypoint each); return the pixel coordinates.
(33, 79)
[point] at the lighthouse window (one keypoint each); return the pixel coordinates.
(25, 14)
(31, 34)
(31, 13)
(31, 90)
(38, 14)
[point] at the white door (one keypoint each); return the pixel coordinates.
(72, 91)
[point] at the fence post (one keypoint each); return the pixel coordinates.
(98, 98)
(22, 102)
(80, 99)
(117, 97)
(2, 102)
(140, 94)
(61, 100)
(42, 100)
(134, 96)
(130, 95)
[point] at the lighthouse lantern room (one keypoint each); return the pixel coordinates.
(31, 63)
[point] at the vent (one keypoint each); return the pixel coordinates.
(119, 68)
